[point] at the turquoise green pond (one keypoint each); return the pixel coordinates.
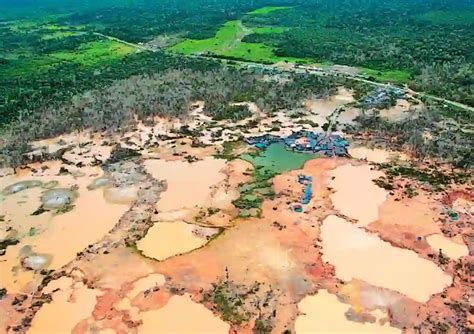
(277, 159)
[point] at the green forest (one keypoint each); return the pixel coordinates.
(51, 49)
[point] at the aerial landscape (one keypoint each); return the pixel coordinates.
(236, 166)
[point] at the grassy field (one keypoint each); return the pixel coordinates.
(94, 53)
(228, 43)
(269, 30)
(223, 39)
(388, 76)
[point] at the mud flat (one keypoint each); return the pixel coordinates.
(447, 246)
(324, 313)
(182, 315)
(398, 112)
(364, 298)
(167, 239)
(58, 236)
(146, 282)
(121, 195)
(322, 108)
(463, 205)
(356, 195)
(188, 184)
(376, 155)
(373, 155)
(360, 255)
(70, 305)
(84, 147)
(409, 217)
(91, 219)
(348, 116)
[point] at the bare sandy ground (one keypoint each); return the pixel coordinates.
(188, 185)
(355, 195)
(322, 108)
(167, 239)
(375, 155)
(169, 319)
(357, 254)
(324, 313)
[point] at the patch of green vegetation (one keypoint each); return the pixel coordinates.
(64, 209)
(263, 326)
(229, 302)
(383, 183)
(33, 231)
(256, 52)
(120, 153)
(452, 111)
(227, 43)
(93, 53)
(396, 76)
(5, 243)
(60, 34)
(269, 30)
(307, 122)
(447, 17)
(433, 177)
(229, 148)
(27, 66)
(233, 112)
(409, 191)
(24, 26)
(268, 9)
(61, 47)
(39, 211)
(253, 193)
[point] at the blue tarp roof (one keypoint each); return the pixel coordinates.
(330, 145)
